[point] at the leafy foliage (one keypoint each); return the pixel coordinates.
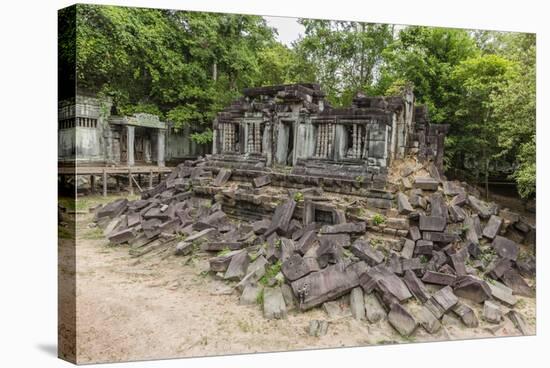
(187, 66)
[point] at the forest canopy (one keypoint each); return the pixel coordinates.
(186, 66)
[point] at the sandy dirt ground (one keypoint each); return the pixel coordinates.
(164, 306)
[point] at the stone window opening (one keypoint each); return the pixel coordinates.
(324, 140)
(254, 139)
(356, 141)
(231, 137)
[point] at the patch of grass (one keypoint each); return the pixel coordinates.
(378, 219)
(224, 252)
(423, 259)
(298, 196)
(360, 179)
(408, 338)
(271, 272)
(260, 297)
(95, 233)
(520, 304)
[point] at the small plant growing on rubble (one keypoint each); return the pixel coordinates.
(260, 297)
(271, 272)
(360, 179)
(378, 219)
(423, 259)
(278, 243)
(224, 252)
(298, 196)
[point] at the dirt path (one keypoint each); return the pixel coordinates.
(149, 307)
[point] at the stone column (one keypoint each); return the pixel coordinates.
(160, 147)
(130, 145)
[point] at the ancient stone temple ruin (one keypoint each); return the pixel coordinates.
(305, 206)
(294, 125)
(89, 134)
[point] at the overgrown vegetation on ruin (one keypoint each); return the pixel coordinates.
(186, 66)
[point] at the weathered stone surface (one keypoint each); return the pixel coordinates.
(466, 314)
(493, 227)
(262, 181)
(122, 236)
(373, 309)
(237, 267)
(199, 235)
(366, 252)
(491, 312)
(221, 263)
(519, 321)
(505, 247)
(438, 278)
(260, 227)
(414, 233)
(416, 286)
(498, 267)
(112, 209)
(397, 223)
(381, 203)
(432, 223)
(438, 237)
(458, 261)
(328, 253)
(445, 298)
(327, 284)
(250, 294)
(452, 188)
(414, 264)
(288, 295)
(274, 303)
(408, 249)
(297, 266)
(514, 281)
(306, 242)
(357, 303)
(183, 248)
(281, 218)
(401, 320)
(385, 282)
(472, 288)
(403, 205)
(479, 207)
(222, 177)
(427, 320)
(426, 183)
(347, 228)
(457, 214)
(502, 293)
(423, 247)
(435, 308)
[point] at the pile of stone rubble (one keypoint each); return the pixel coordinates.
(439, 251)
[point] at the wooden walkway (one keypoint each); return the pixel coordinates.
(105, 171)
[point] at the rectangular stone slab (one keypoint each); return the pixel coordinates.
(505, 247)
(327, 284)
(281, 218)
(445, 298)
(403, 205)
(346, 228)
(262, 181)
(222, 177)
(400, 319)
(438, 278)
(416, 286)
(432, 223)
(366, 252)
(426, 183)
(493, 227)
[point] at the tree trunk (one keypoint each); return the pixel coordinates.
(215, 71)
(487, 179)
